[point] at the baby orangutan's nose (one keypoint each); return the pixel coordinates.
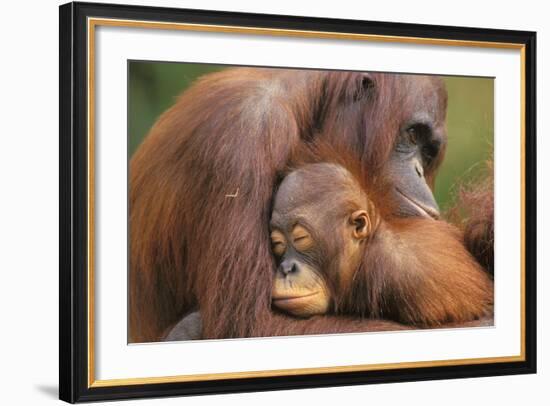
(288, 267)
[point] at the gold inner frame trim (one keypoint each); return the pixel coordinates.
(94, 22)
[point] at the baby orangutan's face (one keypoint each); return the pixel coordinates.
(317, 248)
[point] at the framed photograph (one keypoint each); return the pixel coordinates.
(257, 202)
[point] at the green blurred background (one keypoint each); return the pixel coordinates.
(154, 86)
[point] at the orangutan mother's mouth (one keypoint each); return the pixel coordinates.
(421, 209)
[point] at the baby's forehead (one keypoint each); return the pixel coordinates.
(315, 184)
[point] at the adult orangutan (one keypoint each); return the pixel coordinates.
(202, 183)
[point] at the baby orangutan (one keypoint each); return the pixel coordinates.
(320, 224)
(336, 254)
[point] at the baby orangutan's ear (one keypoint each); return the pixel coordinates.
(360, 222)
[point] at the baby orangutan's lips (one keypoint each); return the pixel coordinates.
(291, 300)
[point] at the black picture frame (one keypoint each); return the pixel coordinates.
(74, 200)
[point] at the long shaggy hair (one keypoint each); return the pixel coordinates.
(474, 213)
